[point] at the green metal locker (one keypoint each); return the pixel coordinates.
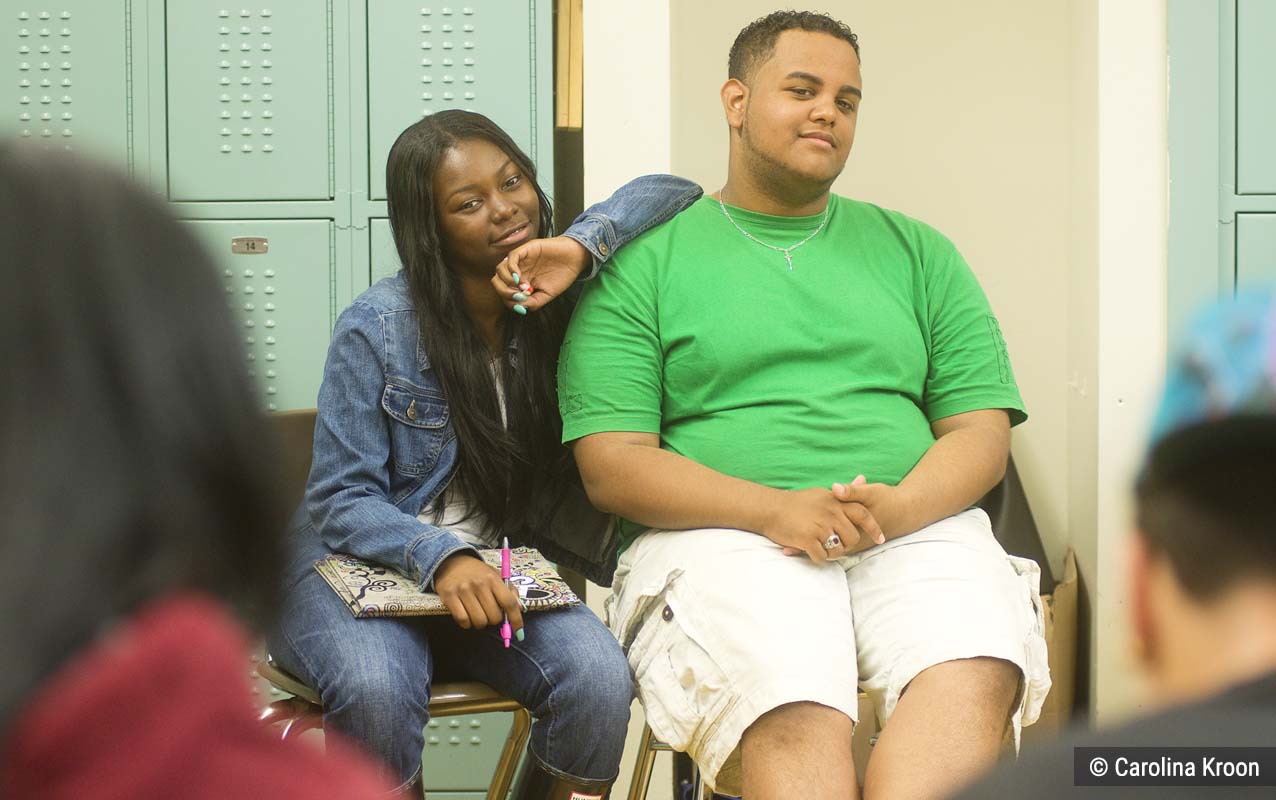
(460, 754)
(478, 56)
(1222, 166)
(70, 82)
(250, 101)
(1255, 250)
(273, 112)
(490, 56)
(278, 276)
(383, 257)
(1255, 97)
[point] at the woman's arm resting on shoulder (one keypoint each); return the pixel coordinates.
(539, 271)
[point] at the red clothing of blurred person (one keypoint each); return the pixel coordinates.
(161, 708)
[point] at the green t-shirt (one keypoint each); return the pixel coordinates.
(791, 379)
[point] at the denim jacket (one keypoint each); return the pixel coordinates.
(384, 448)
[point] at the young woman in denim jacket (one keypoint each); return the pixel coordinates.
(438, 431)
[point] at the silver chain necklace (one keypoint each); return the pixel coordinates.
(787, 251)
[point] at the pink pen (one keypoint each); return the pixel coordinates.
(505, 576)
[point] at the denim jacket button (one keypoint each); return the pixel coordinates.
(603, 248)
(667, 614)
(412, 410)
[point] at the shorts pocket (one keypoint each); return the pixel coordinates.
(684, 691)
(1037, 679)
(627, 607)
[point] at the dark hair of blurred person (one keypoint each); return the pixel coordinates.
(141, 516)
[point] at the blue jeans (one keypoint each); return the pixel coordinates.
(374, 677)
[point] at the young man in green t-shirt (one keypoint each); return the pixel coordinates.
(770, 385)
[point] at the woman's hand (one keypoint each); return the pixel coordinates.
(475, 594)
(537, 272)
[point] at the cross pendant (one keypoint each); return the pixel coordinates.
(789, 258)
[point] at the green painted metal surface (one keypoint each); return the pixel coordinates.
(461, 752)
(1222, 162)
(280, 290)
(477, 56)
(249, 99)
(275, 117)
(1194, 135)
(1255, 250)
(69, 84)
(383, 257)
(1255, 97)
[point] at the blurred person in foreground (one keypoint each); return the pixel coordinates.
(141, 529)
(1202, 563)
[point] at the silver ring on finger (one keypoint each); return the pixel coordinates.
(833, 542)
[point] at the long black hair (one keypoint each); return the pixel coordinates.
(131, 442)
(500, 466)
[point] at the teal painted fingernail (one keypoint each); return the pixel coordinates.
(520, 297)
(515, 277)
(518, 634)
(520, 310)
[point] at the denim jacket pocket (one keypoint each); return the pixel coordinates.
(418, 423)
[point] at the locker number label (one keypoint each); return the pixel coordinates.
(249, 245)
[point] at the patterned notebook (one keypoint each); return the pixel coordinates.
(369, 590)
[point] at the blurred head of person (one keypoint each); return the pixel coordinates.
(131, 441)
(1203, 560)
(461, 196)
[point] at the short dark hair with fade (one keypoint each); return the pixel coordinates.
(1205, 502)
(756, 42)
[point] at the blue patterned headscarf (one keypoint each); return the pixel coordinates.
(1220, 387)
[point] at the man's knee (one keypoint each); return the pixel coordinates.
(986, 686)
(798, 725)
(992, 677)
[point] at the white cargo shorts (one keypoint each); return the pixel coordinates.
(721, 627)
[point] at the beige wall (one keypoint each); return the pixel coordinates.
(1130, 237)
(965, 125)
(1083, 330)
(626, 131)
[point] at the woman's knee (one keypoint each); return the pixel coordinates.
(583, 732)
(384, 685)
(599, 684)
